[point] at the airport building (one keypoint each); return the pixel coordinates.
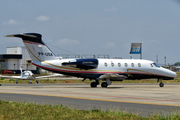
(15, 58)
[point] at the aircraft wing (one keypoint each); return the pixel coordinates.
(112, 76)
(13, 77)
(53, 75)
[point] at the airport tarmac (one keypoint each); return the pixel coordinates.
(144, 99)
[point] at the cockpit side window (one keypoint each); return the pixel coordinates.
(155, 64)
(151, 65)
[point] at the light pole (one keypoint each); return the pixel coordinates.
(165, 60)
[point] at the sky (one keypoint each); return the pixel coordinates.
(96, 26)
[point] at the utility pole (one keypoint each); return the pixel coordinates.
(157, 59)
(165, 60)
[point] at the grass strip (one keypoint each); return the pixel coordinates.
(29, 111)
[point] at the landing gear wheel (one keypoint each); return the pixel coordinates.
(37, 81)
(30, 82)
(104, 84)
(93, 84)
(161, 84)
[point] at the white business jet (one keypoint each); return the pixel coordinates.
(28, 75)
(97, 69)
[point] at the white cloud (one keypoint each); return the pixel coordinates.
(42, 18)
(112, 9)
(10, 22)
(68, 41)
(109, 45)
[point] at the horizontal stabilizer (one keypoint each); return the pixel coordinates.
(21, 35)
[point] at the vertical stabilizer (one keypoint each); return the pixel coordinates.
(36, 48)
(21, 71)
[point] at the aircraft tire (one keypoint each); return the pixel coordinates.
(104, 84)
(161, 84)
(37, 81)
(93, 84)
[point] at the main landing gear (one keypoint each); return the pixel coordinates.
(37, 81)
(30, 82)
(95, 83)
(161, 84)
(103, 84)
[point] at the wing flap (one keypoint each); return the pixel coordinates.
(112, 76)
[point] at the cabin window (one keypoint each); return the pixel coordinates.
(119, 64)
(112, 64)
(132, 64)
(139, 64)
(105, 64)
(126, 64)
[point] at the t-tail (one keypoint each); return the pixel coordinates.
(37, 49)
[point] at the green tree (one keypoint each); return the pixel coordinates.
(177, 64)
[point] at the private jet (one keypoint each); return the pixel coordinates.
(28, 75)
(94, 69)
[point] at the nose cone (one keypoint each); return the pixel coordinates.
(173, 74)
(169, 75)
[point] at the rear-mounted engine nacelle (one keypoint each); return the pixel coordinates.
(82, 63)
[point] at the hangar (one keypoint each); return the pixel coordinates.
(15, 58)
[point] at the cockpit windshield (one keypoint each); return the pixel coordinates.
(155, 64)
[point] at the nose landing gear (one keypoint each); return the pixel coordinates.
(161, 84)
